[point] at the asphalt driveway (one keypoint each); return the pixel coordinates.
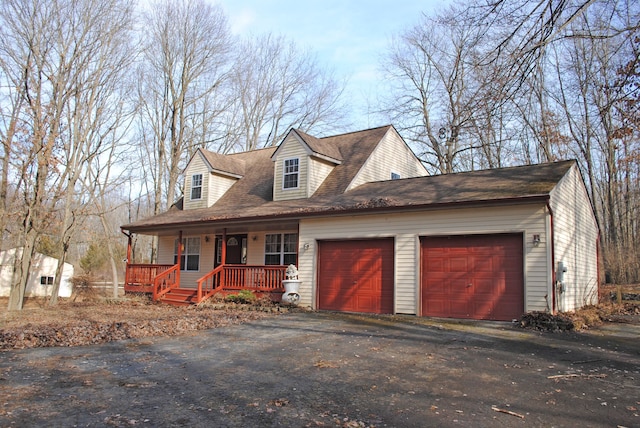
(325, 369)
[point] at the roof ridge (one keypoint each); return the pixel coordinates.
(354, 132)
(502, 168)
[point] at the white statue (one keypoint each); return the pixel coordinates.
(292, 272)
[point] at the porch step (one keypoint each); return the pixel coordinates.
(180, 297)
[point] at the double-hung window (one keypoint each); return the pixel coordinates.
(190, 256)
(281, 249)
(291, 173)
(196, 186)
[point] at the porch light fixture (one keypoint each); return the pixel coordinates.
(254, 238)
(206, 238)
(306, 246)
(536, 240)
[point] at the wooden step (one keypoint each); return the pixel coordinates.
(181, 297)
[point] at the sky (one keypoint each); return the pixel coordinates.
(348, 36)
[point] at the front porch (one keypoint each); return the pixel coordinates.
(199, 262)
(163, 283)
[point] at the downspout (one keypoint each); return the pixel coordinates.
(598, 267)
(553, 261)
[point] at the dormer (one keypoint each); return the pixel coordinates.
(208, 176)
(301, 163)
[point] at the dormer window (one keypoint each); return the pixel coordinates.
(196, 186)
(291, 173)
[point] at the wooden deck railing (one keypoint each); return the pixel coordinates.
(160, 279)
(165, 281)
(143, 274)
(256, 277)
(208, 284)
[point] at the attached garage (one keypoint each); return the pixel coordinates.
(356, 275)
(472, 276)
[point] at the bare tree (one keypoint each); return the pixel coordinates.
(30, 63)
(63, 58)
(277, 86)
(100, 35)
(183, 66)
(436, 92)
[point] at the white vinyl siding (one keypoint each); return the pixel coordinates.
(575, 231)
(318, 171)
(391, 155)
(218, 185)
(289, 149)
(406, 229)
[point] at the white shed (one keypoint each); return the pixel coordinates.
(41, 277)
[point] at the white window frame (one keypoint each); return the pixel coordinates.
(200, 178)
(395, 176)
(192, 247)
(288, 171)
(286, 248)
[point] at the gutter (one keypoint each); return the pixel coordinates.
(351, 210)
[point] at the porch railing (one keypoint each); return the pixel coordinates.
(143, 274)
(160, 279)
(208, 284)
(165, 281)
(254, 277)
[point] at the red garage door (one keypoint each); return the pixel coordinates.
(356, 276)
(473, 276)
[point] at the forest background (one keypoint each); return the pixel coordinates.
(102, 103)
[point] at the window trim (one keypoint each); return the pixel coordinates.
(282, 240)
(395, 176)
(194, 187)
(285, 174)
(186, 254)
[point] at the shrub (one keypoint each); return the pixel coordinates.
(243, 296)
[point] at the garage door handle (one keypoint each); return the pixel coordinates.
(469, 285)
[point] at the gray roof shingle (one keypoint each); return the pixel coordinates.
(251, 198)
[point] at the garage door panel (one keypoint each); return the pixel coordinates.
(480, 276)
(364, 281)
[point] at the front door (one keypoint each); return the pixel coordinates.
(236, 249)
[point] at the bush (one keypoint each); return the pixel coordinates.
(243, 296)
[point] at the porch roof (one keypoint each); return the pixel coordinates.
(251, 201)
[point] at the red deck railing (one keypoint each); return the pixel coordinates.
(139, 277)
(160, 279)
(165, 281)
(256, 277)
(210, 283)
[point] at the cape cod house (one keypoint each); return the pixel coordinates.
(370, 232)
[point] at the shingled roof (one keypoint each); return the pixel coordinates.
(225, 164)
(251, 198)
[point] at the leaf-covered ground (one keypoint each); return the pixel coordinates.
(100, 321)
